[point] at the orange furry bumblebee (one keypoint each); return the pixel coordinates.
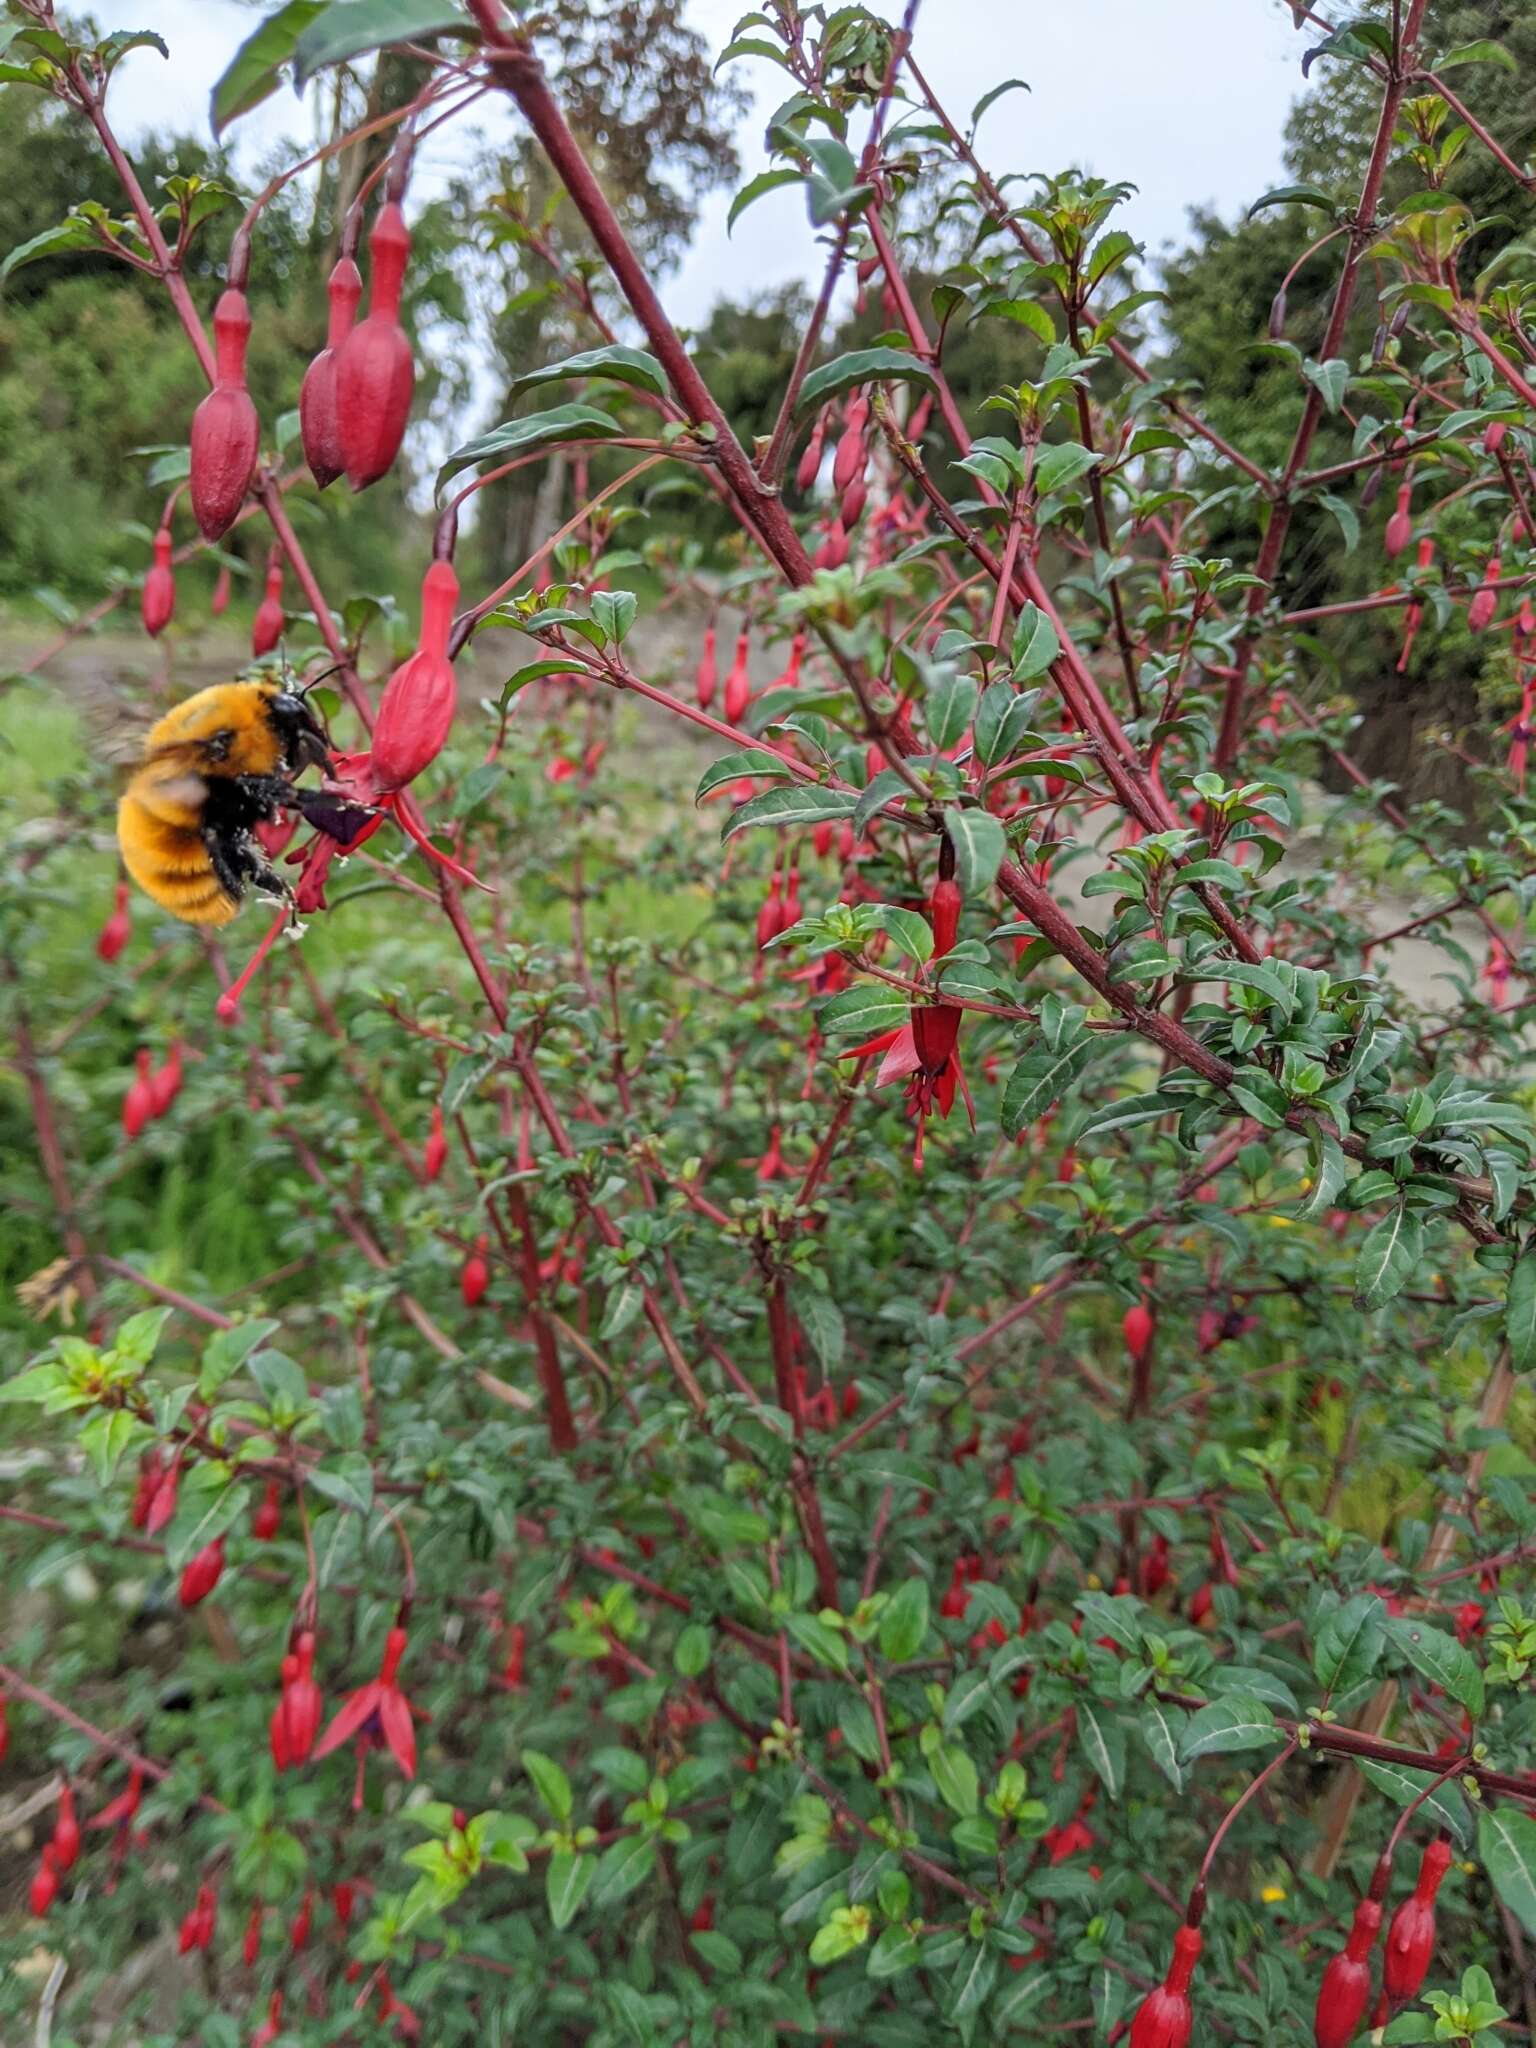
(214, 768)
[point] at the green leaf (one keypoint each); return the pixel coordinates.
(909, 928)
(1002, 719)
(971, 1985)
(226, 1351)
(895, 1951)
(807, 803)
(70, 234)
(614, 611)
(105, 1438)
(348, 1479)
(861, 366)
(551, 1784)
(111, 51)
(950, 707)
(1062, 464)
(1443, 1661)
(1388, 1258)
(351, 28)
(1036, 644)
(1520, 1311)
(1162, 1729)
(1293, 195)
(820, 1640)
(619, 365)
(1349, 1643)
(565, 1885)
(746, 761)
(1506, 1841)
(904, 1624)
(822, 1321)
(865, 1011)
(1103, 1740)
(955, 1777)
(691, 1654)
(996, 93)
(533, 430)
(255, 71)
(1235, 1722)
(980, 844)
(1039, 1081)
(1484, 51)
(1330, 380)
(763, 183)
(1446, 1808)
(620, 1868)
(1130, 1110)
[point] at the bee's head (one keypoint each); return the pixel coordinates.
(304, 740)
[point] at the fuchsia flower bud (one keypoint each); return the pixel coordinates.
(296, 1717)
(1483, 606)
(272, 2025)
(1493, 436)
(375, 374)
(66, 1832)
(319, 424)
(1165, 2017)
(250, 1948)
(158, 602)
(165, 1083)
(1411, 1937)
(267, 626)
(139, 1102)
(1137, 1325)
(197, 1928)
(420, 698)
(1346, 1987)
(476, 1275)
(265, 1521)
(221, 588)
(810, 461)
(114, 934)
(435, 1154)
(226, 434)
(202, 1573)
(738, 684)
(1400, 525)
(704, 681)
(851, 455)
(45, 1886)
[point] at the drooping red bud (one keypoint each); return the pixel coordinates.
(1493, 436)
(162, 1501)
(1400, 525)
(738, 684)
(272, 2025)
(296, 1718)
(853, 502)
(114, 934)
(221, 588)
(810, 462)
(45, 1886)
(298, 1931)
(158, 602)
(139, 1102)
(267, 626)
(66, 1831)
(476, 1275)
(833, 551)
(704, 681)
(319, 425)
(226, 434)
(420, 698)
(202, 1573)
(250, 1948)
(944, 907)
(165, 1083)
(1346, 1987)
(435, 1154)
(1483, 606)
(265, 1521)
(1165, 2016)
(197, 1927)
(1411, 1937)
(790, 679)
(851, 455)
(1137, 1325)
(342, 1899)
(375, 374)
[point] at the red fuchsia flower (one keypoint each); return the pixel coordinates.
(1493, 436)
(319, 427)
(162, 1501)
(738, 684)
(1496, 974)
(139, 1102)
(157, 604)
(809, 467)
(704, 681)
(435, 1153)
(517, 1649)
(790, 680)
(1071, 1840)
(202, 1573)
(1483, 606)
(225, 431)
(296, 1717)
(165, 1082)
(267, 626)
(66, 1832)
(1137, 1326)
(420, 698)
(1346, 1987)
(272, 2025)
(342, 1900)
(118, 1812)
(771, 1165)
(221, 589)
(114, 934)
(1201, 1602)
(375, 374)
(851, 505)
(1400, 525)
(770, 917)
(250, 1948)
(1520, 728)
(1155, 1570)
(793, 909)
(275, 835)
(265, 1521)
(476, 1275)
(1470, 1618)
(1411, 1937)
(197, 1928)
(45, 1885)
(378, 1714)
(298, 1931)
(1165, 2016)
(833, 551)
(851, 454)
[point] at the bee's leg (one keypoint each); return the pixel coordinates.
(224, 857)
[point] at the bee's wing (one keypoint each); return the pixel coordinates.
(115, 723)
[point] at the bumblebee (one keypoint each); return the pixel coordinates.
(212, 769)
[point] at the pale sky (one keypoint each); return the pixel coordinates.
(1185, 98)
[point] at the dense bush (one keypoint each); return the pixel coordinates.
(905, 1431)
